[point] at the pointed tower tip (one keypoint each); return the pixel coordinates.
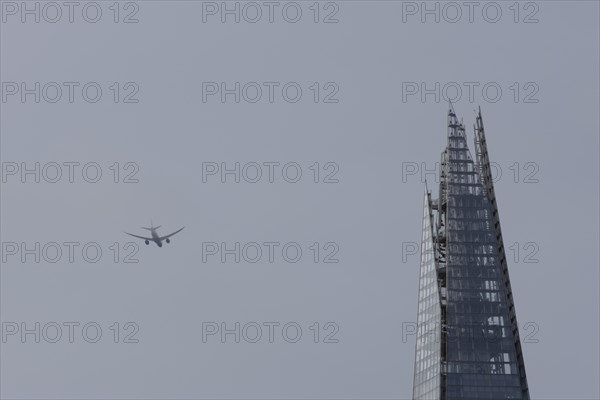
(450, 107)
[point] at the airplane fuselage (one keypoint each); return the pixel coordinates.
(156, 238)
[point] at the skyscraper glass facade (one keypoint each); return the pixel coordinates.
(467, 336)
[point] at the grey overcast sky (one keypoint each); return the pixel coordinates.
(374, 122)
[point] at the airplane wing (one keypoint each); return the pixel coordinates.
(170, 234)
(139, 237)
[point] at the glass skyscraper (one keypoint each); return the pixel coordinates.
(468, 344)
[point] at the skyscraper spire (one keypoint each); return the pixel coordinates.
(467, 343)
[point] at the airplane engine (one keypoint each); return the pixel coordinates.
(168, 240)
(147, 242)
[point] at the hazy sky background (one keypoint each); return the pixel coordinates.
(369, 134)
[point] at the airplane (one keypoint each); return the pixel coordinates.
(154, 236)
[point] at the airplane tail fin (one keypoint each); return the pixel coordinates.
(152, 227)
